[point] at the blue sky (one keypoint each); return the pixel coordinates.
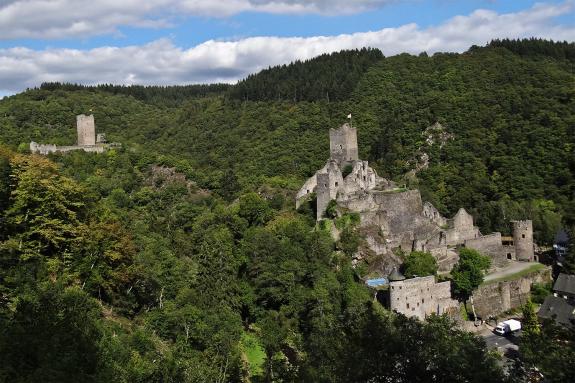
(190, 41)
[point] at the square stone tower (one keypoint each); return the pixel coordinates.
(86, 130)
(343, 144)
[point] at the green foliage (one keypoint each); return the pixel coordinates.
(254, 354)
(52, 337)
(330, 77)
(349, 241)
(419, 263)
(530, 324)
(539, 291)
(331, 209)
(468, 273)
(109, 272)
(569, 262)
(347, 220)
(551, 351)
(254, 209)
(347, 169)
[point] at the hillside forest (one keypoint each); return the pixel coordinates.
(179, 256)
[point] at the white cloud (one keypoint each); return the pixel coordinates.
(51, 19)
(161, 62)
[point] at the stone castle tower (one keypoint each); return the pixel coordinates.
(343, 144)
(86, 130)
(523, 240)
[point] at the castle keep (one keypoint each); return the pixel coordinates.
(86, 130)
(87, 139)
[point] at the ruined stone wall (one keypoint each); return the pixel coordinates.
(343, 144)
(329, 185)
(523, 240)
(49, 148)
(86, 130)
(461, 228)
(492, 299)
(446, 258)
(433, 214)
(309, 186)
(362, 177)
(491, 246)
(394, 212)
(420, 297)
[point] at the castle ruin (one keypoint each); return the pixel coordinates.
(421, 297)
(87, 139)
(396, 218)
(400, 216)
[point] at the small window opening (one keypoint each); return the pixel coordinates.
(508, 255)
(407, 305)
(522, 235)
(336, 184)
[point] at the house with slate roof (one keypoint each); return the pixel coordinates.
(561, 305)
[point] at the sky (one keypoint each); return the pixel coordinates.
(167, 42)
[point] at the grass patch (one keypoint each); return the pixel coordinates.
(530, 270)
(347, 220)
(324, 225)
(254, 353)
(463, 312)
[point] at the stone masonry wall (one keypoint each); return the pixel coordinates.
(86, 130)
(343, 144)
(421, 297)
(492, 299)
(491, 246)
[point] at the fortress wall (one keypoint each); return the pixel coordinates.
(362, 177)
(390, 210)
(495, 298)
(491, 246)
(49, 148)
(433, 214)
(461, 228)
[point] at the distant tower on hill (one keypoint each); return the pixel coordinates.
(523, 240)
(343, 144)
(86, 130)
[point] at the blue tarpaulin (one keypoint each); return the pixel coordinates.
(376, 282)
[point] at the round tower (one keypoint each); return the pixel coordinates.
(523, 240)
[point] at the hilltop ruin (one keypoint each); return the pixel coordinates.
(88, 141)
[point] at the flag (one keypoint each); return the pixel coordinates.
(349, 115)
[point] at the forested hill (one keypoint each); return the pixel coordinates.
(511, 113)
(179, 257)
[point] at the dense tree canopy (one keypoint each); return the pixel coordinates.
(113, 270)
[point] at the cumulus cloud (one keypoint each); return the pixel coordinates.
(161, 62)
(73, 18)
